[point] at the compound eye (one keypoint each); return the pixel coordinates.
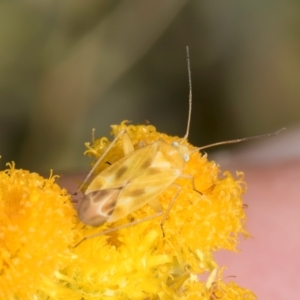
(186, 157)
(175, 144)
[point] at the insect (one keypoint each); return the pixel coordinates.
(215, 286)
(216, 291)
(137, 179)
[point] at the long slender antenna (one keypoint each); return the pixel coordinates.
(190, 93)
(241, 140)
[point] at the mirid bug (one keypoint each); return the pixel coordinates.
(137, 178)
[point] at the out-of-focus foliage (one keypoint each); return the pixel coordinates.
(67, 66)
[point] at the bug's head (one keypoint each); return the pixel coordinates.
(183, 150)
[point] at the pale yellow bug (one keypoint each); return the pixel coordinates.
(137, 179)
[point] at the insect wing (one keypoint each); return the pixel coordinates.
(121, 172)
(96, 207)
(103, 194)
(139, 177)
(144, 188)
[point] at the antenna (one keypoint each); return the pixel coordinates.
(190, 93)
(241, 140)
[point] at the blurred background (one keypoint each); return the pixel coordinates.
(68, 66)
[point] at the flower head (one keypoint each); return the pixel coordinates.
(202, 212)
(142, 261)
(36, 221)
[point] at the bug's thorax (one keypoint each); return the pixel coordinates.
(172, 155)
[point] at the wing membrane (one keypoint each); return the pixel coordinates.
(121, 172)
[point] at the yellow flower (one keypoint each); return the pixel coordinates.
(138, 262)
(39, 233)
(36, 221)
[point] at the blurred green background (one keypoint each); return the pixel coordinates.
(68, 66)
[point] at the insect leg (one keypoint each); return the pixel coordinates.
(165, 216)
(127, 143)
(190, 177)
(119, 227)
(174, 198)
